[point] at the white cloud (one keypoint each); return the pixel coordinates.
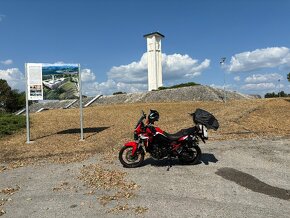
(110, 86)
(7, 62)
(133, 77)
(259, 58)
(259, 86)
(88, 82)
(14, 77)
(179, 66)
(260, 78)
(237, 78)
(175, 66)
(87, 75)
(92, 87)
(135, 72)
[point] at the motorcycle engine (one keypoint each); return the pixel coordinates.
(158, 151)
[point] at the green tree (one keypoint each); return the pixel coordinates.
(270, 95)
(16, 101)
(119, 93)
(5, 91)
(282, 94)
(10, 100)
(288, 77)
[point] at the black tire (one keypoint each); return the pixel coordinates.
(127, 160)
(191, 156)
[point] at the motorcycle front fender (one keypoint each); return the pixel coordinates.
(134, 145)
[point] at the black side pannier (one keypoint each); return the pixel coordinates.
(203, 117)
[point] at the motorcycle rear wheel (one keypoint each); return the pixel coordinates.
(191, 156)
(129, 161)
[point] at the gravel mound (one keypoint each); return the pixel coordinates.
(193, 93)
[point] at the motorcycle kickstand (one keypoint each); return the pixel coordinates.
(169, 163)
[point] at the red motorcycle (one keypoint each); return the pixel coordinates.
(183, 145)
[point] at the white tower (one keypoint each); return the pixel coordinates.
(154, 57)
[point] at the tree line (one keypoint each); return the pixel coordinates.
(274, 95)
(279, 94)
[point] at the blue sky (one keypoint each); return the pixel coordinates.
(106, 38)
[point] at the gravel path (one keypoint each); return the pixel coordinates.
(246, 178)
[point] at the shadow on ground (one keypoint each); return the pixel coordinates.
(93, 130)
(206, 158)
(252, 183)
(86, 130)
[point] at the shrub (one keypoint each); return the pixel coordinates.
(179, 86)
(119, 93)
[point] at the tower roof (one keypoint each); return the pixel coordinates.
(154, 33)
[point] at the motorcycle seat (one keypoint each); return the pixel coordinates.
(179, 134)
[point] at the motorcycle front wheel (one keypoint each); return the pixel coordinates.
(128, 160)
(190, 156)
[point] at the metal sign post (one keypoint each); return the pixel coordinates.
(27, 108)
(222, 62)
(81, 104)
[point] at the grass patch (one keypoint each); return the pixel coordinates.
(10, 124)
(179, 86)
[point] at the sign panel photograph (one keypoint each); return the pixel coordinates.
(60, 81)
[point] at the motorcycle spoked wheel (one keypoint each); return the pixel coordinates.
(129, 161)
(191, 156)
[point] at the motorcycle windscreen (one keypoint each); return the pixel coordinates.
(203, 117)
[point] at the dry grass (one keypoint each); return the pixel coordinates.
(95, 176)
(9, 191)
(121, 208)
(55, 134)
